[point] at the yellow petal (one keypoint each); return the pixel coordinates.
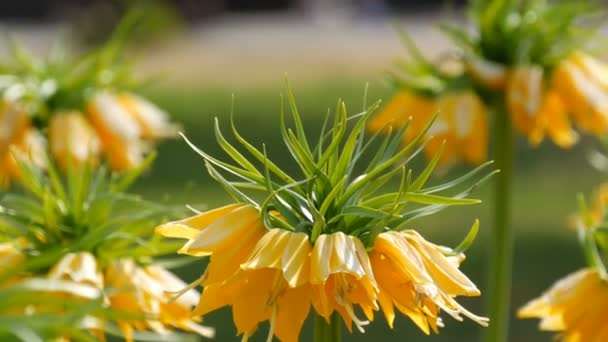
(269, 250)
(189, 227)
(72, 139)
(444, 273)
(293, 308)
(153, 121)
(296, 260)
(321, 254)
(489, 74)
(79, 267)
(224, 232)
(250, 304)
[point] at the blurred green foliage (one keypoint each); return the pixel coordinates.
(159, 19)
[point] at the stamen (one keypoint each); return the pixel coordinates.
(245, 337)
(177, 294)
(273, 320)
(275, 291)
(343, 289)
(358, 323)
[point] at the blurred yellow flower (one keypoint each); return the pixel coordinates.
(143, 291)
(536, 111)
(146, 291)
(120, 133)
(404, 106)
(18, 140)
(582, 83)
(420, 279)
(72, 139)
(10, 259)
(126, 124)
(461, 122)
(153, 122)
(487, 73)
(576, 307)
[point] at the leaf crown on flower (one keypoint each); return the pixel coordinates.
(505, 32)
(342, 180)
(83, 209)
(65, 82)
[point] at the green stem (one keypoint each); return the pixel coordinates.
(325, 332)
(501, 252)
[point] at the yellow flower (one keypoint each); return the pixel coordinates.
(29, 149)
(120, 133)
(153, 122)
(17, 140)
(536, 111)
(142, 291)
(307, 243)
(145, 291)
(582, 83)
(14, 123)
(487, 73)
(404, 106)
(72, 139)
(262, 274)
(227, 234)
(123, 122)
(276, 275)
(462, 123)
(10, 259)
(576, 307)
(553, 120)
(420, 279)
(342, 277)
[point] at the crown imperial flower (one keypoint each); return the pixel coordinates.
(316, 240)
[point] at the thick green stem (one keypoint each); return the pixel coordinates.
(325, 332)
(498, 292)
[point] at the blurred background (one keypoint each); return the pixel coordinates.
(200, 53)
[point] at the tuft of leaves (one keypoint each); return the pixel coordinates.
(62, 81)
(346, 182)
(85, 209)
(539, 32)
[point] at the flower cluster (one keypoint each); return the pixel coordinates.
(522, 60)
(79, 241)
(565, 307)
(328, 241)
(77, 108)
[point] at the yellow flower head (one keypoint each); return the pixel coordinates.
(90, 251)
(19, 142)
(489, 74)
(522, 62)
(83, 106)
(460, 128)
(582, 83)
(72, 139)
(125, 123)
(535, 110)
(145, 291)
(309, 243)
(566, 307)
(420, 279)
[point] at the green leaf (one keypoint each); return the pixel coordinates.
(468, 240)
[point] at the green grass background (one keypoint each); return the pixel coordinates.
(547, 182)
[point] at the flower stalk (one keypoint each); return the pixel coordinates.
(327, 332)
(501, 246)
